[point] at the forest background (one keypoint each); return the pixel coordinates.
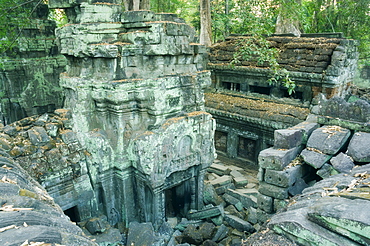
(255, 17)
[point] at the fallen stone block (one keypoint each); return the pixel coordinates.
(342, 163)
(287, 138)
(209, 195)
(222, 189)
(221, 181)
(344, 216)
(221, 233)
(329, 139)
(141, 234)
(38, 136)
(240, 182)
(284, 178)
(252, 215)
(326, 171)
(277, 159)
(266, 203)
(207, 212)
(219, 169)
(97, 225)
(239, 224)
(307, 128)
(262, 216)
(191, 235)
(248, 197)
(230, 209)
(279, 204)
(218, 220)
(239, 179)
(358, 147)
(295, 226)
(297, 187)
(314, 158)
(233, 201)
(273, 191)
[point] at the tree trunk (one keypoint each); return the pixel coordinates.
(286, 21)
(205, 22)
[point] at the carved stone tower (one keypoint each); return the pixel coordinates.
(138, 77)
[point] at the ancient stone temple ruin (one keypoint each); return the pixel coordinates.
(29, 71)
(136, 143)
(248, 108)
(133, 143)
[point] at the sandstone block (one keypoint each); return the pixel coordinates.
(221, 233)
(233, 201)
(38, 136)
(307, 128)
(239, 224)
(297, 187)
(221, 181)
(277, 159)
(295, 224)
(287, 138)
(219, 169)
(141, 234)
(252, 215)
(280, 205)
(266, 203)
(273, 191)
(358, 147)
(342, 163)
(347, 217)
(314, 158)
(326, 171)
(248, 199)
(207, 212)
(328, 139)
(284, 178)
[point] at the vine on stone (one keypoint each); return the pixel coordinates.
(257, 49)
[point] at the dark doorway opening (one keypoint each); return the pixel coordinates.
(221, 141)
(260, 89)
(178, 200)
(231, 86)
(72, 213)
(247, 148)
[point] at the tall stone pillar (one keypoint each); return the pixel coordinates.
(139, 77)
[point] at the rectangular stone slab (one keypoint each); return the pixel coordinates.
(284, 178)
(277, 159)
(206, 213)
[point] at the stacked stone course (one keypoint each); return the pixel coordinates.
(309, 152)
(29, 71)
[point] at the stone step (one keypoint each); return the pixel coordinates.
(208, 212)
(221, 181)
(219, 169)
(239, 224)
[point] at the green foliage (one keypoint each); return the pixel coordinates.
(59, 16)
(242, 17)
(257, 48)
(14, 16)
(187, 9)
(351, 17)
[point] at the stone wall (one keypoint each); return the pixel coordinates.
(315, 64)
(245, 125)
(248, 108)
(134, 83)
(29, 72)
(28, 215)
(322, 159)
